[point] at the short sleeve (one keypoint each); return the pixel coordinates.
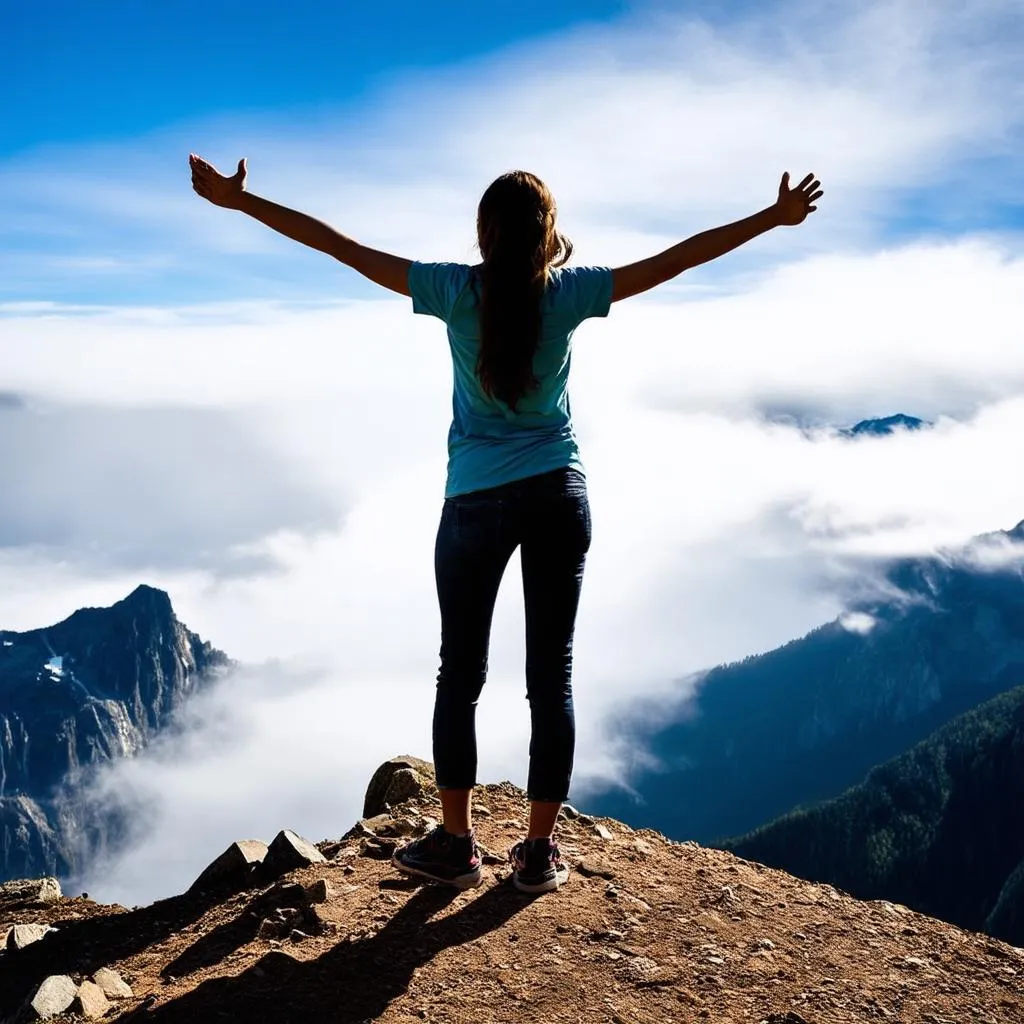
(434, 287)
(586, 291)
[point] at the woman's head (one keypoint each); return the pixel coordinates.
(519, 245)
(516, 219)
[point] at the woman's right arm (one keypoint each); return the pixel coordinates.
(229, 192)
(792, 207)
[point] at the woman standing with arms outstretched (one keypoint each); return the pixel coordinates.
(515, 477)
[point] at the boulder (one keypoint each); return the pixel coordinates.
(401, 778)
(22, 935)
(289, 851)
(234, 865)
(54, 996)
(91, 1002)
(112, 984)
(30, 890)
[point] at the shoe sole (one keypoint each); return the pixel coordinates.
(548, 885)
(467, 881)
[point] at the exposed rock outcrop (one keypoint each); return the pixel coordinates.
(646, 931)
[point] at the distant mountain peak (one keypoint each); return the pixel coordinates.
(150, 598)
(882, 426)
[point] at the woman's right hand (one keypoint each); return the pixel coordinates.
(219, 189)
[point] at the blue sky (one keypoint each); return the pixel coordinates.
(389, 119)
(93, 71)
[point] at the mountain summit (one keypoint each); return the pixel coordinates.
(646, 931)
(93, 688)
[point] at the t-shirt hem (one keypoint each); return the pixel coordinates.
(455, 488)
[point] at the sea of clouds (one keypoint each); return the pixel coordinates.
(269, 446)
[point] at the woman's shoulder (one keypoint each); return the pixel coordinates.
(581, 291)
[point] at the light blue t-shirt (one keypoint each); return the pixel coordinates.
(488, 443)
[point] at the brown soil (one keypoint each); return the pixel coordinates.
(677, 933)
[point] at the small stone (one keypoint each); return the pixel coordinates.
(717, 960)
(54, 996)
(569, 811)
(915, 962)
(585, 819)
(482, 812)
(91, 1001)
(596, 867)
(234, 864)
(348, 869)
(319, 891)
(379, 824)
(602, 832)
(268, 929)
(297, 935)
(113, 985)
(765, 944)
(289, 851)
(378, 849)
(22, 935)
(611, 892)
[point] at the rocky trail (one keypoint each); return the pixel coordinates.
(646, 931)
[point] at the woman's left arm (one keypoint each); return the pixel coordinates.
(229, 192)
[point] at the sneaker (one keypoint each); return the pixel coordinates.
(442, 857)
(537, 866)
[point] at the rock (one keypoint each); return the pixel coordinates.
(234, 864)
(91, 1001)
(319, 891)
(30, 890)
(585, 819)
(401, 778)
(22, 935)
(602, 832)
(268, 929)
(287, 894)
(595, 867)
(289, 851)
(378, 849)
(570, 812)
(54, 996)
(113, 985)
(296, 935)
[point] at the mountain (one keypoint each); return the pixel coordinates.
(93, 688)
(939, 828)
(804, 722)
(885, 425)
(646, 931)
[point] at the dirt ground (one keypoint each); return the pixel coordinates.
(645, 932)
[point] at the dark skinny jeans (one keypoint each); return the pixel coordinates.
(548, 518)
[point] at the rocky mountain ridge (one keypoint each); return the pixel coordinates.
(646, 931)
(91, 689)
(805, 721)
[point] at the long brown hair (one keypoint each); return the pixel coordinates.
(515, 226)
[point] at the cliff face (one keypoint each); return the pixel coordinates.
(806, 721)
(93, 688)
(645, 931)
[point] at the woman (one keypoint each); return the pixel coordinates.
(515, 478)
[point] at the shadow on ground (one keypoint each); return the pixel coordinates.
(82, 946)
(353, 982)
